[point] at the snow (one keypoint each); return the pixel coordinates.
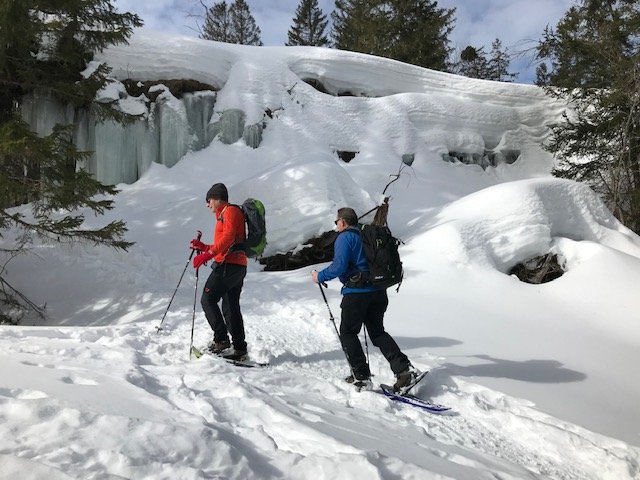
(542, 379)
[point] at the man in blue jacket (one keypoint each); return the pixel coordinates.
(362, 304)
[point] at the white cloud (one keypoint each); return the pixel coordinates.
(169, 16)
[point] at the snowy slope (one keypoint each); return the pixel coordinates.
(541, 378)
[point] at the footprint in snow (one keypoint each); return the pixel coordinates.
(21, 394)
(77, 380)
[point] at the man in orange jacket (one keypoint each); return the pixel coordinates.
(227, 277)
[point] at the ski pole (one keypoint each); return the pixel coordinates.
(320, 285)
(193, 318)
(159, 327)
(366, 344)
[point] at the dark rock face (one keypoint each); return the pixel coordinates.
(177, 88)
(316, 250)
(541, 269)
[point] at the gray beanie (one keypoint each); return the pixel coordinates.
(218, 192)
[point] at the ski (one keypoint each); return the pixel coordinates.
(412, 400)
(247, 363)
(242, 362)
(403, 396)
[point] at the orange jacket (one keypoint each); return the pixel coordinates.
(229, 230)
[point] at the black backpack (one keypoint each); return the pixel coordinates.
(381, 250)
(254, 216)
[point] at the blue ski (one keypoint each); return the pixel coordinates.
(405, 397)
(413, 400)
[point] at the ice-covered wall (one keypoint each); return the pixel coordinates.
(161, 131)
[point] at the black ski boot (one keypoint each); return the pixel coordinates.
(218, 347)
(235, 355)
(360, 384)
(405, 380)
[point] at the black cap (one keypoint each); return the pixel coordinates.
(218, 192)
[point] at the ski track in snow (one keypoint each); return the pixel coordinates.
(207, 419)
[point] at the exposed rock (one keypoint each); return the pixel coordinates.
(178, 88)
(315, 250)
(489, 158)
(346, 156)
(317, 84)
(541, 269)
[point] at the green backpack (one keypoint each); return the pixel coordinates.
(254, 216)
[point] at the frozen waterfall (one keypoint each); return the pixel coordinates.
(161, 131)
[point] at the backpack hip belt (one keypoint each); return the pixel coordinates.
(359, 280)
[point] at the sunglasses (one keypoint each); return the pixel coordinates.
(336, 221)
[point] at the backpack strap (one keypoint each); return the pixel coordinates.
(360, 278)
(229, 205)
(235, 247)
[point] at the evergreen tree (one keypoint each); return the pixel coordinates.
(498, 64)
(353, 26)
(473, 63)
(542, 75)
(231, 23)
(411, 31)
(244, 25)
(594, 55)
(309, 26)
(423, 33)
(46, 46)
(217, 24)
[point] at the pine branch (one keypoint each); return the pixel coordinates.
(10, 298)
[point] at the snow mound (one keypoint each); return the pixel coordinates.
(508, 223)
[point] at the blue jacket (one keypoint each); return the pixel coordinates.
(348, 258)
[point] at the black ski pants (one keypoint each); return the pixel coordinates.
(368, 309)
(226, 281)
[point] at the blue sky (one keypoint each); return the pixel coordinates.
(518, 23)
